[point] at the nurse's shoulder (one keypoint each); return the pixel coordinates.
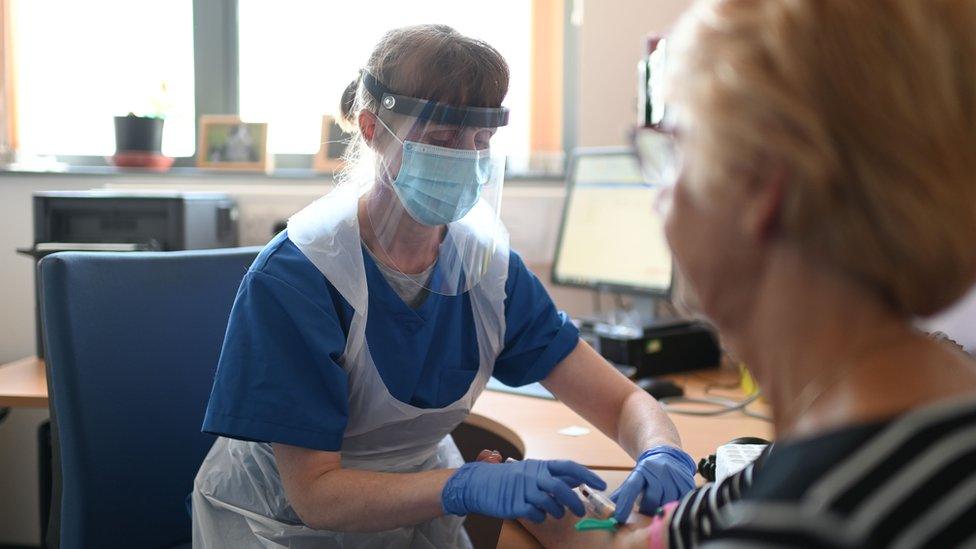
(282, 261)
(518, 276)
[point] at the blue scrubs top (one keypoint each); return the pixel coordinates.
(278, 378)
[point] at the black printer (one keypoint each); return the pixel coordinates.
(121, 220)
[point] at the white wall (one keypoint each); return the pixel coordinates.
(611, 43)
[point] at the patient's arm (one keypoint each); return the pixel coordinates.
(560, 533)
(644, 531)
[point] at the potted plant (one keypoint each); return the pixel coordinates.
(139, 138)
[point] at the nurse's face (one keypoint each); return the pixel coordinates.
(716, 253)
(439, 135)
(452, 136)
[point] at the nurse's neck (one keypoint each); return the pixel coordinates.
(395, 238)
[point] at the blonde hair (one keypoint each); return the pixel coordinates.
(871, 107)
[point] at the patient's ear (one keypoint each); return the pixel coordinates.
(763, 206)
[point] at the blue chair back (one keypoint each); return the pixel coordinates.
(132, 343)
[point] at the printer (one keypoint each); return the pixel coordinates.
(121, 221)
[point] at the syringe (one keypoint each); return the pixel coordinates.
(597, 504)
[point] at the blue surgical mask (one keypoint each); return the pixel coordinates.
(439, 185)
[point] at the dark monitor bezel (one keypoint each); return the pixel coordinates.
(576, 154)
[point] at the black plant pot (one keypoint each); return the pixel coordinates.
(138, 133)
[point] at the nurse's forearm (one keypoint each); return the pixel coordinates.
(328, 497)
(643, 424)
(349, 500)
(597, 391)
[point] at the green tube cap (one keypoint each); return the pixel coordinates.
(596, 524)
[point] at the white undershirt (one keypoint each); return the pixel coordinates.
(412, 288)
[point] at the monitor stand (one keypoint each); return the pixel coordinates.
(630, 311)
(625, 321)
(645, 336)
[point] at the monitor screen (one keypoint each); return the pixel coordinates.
(611, 236)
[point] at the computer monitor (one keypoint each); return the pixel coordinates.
(611, 238)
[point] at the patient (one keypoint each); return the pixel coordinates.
(827, 198)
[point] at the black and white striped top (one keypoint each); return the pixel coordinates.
(909, 482)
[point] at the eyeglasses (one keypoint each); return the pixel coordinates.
(658, 155)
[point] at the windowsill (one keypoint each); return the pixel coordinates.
(176, 171)
(301, 175)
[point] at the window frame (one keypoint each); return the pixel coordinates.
(8, 97)
(216, 60)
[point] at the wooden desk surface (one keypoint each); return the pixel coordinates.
(533, 425)
(23, 384)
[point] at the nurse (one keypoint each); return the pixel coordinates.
(363, 334)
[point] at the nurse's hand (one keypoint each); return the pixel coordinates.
(528, 489)
(662, 474)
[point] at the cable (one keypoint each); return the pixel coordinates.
(674, 310)
(757, 415)
(723, 405)
(722, 386)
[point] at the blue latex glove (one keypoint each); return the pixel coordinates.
(520, 489)
(662, 474)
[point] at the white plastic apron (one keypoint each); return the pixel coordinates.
(238, 499)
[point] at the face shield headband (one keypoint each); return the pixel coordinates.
(432, 111)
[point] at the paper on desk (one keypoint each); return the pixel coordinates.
(574, 431)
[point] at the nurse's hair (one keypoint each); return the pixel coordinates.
(430, 62)
(869, 105)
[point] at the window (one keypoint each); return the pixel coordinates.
(71, 66)
(79, 64)
(297, 57)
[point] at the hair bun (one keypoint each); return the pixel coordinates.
(346, 119)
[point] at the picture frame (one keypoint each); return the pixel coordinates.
(228, 143)
(332, 147)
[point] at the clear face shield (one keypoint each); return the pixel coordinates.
(437, 191)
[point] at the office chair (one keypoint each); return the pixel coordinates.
(133, 340)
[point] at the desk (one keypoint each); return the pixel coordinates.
(23, 384)
(530, 424)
